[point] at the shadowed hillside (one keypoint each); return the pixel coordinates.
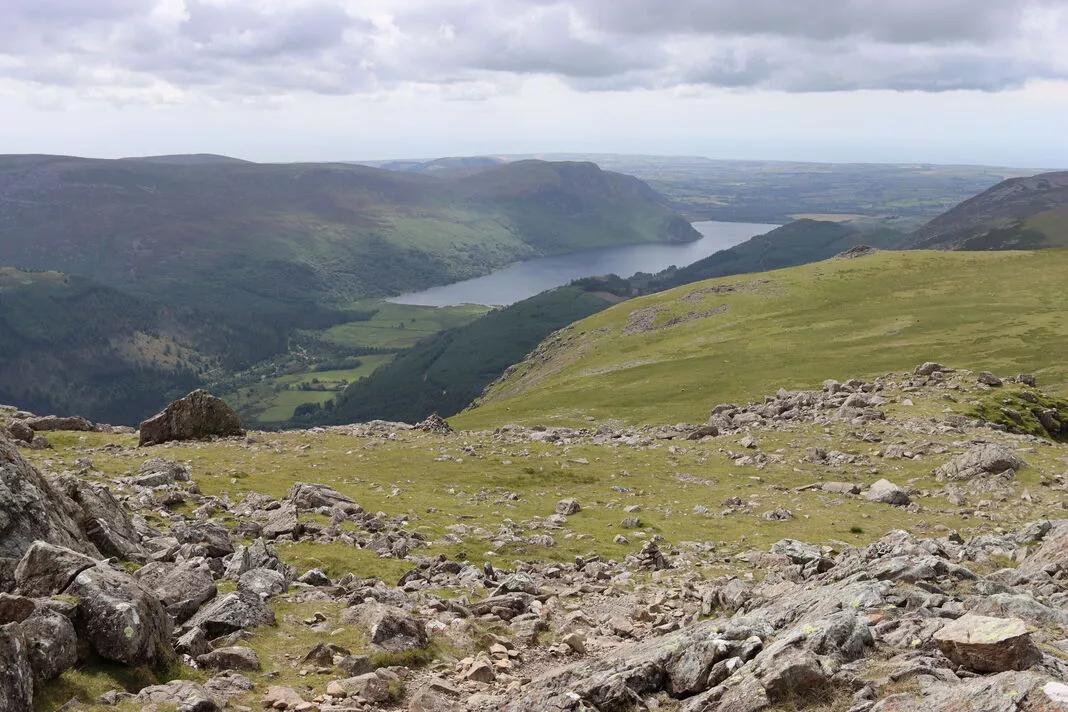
(1020, 213)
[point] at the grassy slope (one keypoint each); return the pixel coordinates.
(1001, 311)
(447, 371)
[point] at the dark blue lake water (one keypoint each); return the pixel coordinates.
(525, 279)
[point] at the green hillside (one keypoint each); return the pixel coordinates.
(286, 239)
(665, 358)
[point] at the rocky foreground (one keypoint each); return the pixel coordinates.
(145, 570)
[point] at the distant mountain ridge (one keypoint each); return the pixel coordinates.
(281, 239)
(1019, 213)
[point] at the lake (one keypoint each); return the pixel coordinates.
(525, 279)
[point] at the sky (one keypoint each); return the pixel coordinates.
(941, 81)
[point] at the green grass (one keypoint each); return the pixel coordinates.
(398, 326)
(793, 328)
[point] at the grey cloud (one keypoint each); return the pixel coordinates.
(231, 48)
(897, 21)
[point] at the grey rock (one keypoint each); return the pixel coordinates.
(257, 555)
(197, 416)
(1052, 555)
(230, 658)
(183, 587)
(392, 629)
(987, 378)
(985, 644)
(103, 519)
(981, 459)
(233, 612)
(21, 431)
(1005, 692)
(193, 643)
(228, 684)
(887, 492)
(265, 583)
(355, 665)
(568, 506)
(314, 577)
(929, 367)
(212, 536)
(52, 644)
(281, 521)
(16, 676)
(306, 495)
(184, 694)
(32, 510)
(15, 609)
(121, 620)
(51, 422)
(46, 569)
(370, 687)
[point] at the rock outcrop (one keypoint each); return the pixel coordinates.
(32, 510)
(197, 416)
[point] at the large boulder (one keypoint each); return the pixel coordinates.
(392, 629)
(257, 555)
(20, 431)
(16, 677)
(182, 694)
(32, 510)
(197, 416)
(232, 612)
(52, 422)
(987, 458)
(121, 620)
(1052, 556)
(235, 657)
(212, 536)
(52, 644)
(46, 569)
(309, 495)
(182, 588)
(1005, 692)
(985, 644)
(104, 520)
(887, 492)
(281, 522)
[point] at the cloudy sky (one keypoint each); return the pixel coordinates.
(969, 81)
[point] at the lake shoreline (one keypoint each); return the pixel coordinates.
(526, 278)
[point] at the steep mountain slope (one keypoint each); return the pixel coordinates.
(666, 357)
(71, 345)
(1020, 213)
(283, 239)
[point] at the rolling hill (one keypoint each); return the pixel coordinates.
(285, 240)
(1020, 213)
(664, 358)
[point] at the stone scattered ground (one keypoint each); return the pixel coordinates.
(898, 544)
